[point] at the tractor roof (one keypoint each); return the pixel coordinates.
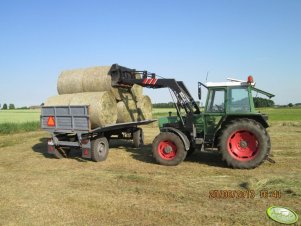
(231, 82)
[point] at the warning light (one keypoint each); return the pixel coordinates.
(250, 79)
(51, 121)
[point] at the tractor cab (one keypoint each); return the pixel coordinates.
(227, 101)
(231, 97)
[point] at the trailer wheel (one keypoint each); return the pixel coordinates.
(244, 144)
(100, 149)
(138, 138)
(168, 149)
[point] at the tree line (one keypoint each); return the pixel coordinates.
(168, 105)
(7, 107)
(260, 102)
(12, 106)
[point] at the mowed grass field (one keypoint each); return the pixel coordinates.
(19, 116)
(129, 188)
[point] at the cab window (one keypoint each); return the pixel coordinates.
(239, 100)
(216, 101)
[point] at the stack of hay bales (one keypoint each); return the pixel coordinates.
(108, 105)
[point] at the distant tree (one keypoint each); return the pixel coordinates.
(290, 105)
(23, 107)
(164, 105)
(4, 107)
(11, 106)
(263, 102)
(42, 104)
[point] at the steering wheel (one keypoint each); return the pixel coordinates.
(219, 108)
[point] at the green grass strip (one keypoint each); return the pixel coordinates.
(10, 127)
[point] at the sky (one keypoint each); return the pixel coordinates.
(181, 39)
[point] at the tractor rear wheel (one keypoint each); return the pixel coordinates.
(168, 149)
(244, 144)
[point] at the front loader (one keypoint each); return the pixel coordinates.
(228, 123)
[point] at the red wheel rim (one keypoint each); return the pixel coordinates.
(167, 150)
(243, 145)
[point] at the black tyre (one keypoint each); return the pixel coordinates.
(168, 149)
(100, 149)
(244, 144)
(138, 138)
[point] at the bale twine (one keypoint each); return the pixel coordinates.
(145, 108)
(127, 110)
(96, 79)
(59, 100)
(70, 81)
(102, 109)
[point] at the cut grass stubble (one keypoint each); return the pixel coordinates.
(129, 188)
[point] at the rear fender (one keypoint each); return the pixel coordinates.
(262, 119)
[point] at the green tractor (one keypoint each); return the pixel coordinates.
(229, 122)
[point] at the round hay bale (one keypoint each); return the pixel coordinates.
(122, 94)
(137, 91)
(70, 81)
(59, 100)
(125, 96)
(96, 79)
(127, 111)
(102, 109)
(145, 108)
(119, 93)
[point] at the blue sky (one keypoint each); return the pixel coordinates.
(182, 39)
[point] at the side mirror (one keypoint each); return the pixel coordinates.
(199, 91)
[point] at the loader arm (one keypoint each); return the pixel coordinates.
(126, 77)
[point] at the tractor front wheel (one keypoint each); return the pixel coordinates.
(168, 149)
(244, 143)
